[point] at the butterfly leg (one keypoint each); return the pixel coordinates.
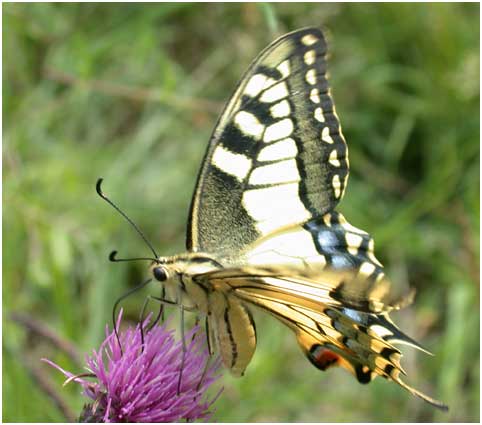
(141, 321)
(206, 367)
(160, 314)
(118, 301)
(178, 303)
(183, 351)
(196, 324)
(210, 351)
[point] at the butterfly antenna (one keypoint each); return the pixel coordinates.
(112, 257)
(105, 198)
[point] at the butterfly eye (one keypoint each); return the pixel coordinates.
(160, 274)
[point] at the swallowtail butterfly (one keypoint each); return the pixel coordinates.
(263, 230)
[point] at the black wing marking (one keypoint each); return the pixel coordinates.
(277, 155)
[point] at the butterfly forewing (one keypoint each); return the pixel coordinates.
(277, 156)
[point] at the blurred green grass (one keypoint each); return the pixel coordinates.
(131, 92)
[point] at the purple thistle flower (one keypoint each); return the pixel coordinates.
(141, 385)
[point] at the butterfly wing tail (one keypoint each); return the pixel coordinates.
(360, 349)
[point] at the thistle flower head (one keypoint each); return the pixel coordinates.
(139, 383)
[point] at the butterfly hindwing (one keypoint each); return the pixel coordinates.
(277, 155)
(328, 332)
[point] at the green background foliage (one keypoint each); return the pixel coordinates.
(131, 92)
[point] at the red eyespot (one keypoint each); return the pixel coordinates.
(323, 358)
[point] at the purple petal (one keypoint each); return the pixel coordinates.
(139, 383)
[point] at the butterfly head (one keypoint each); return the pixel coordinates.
(166, 269)
(172, 269)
